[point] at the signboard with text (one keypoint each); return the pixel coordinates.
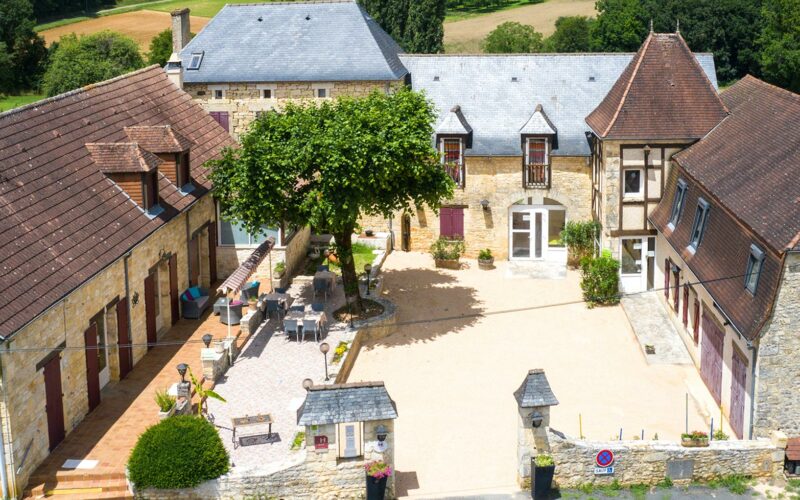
(604, 460)
(320, 442)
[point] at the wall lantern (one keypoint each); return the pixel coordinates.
(485, 204)
(135, 298)
(381, 432)
(207, 340)
(182, 371)
(536, 419)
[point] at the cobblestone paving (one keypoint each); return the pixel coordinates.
(652, 326)
(267, 377)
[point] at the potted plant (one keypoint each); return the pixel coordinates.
(252, 303)
(166, 404)
(447, 252)
(485, 259)
(542, 470)
(378, 473)
(694, 439)
(279, 269)
(370, 233)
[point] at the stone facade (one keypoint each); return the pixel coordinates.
(497, 179)
(778, 371)
(64, 323)
(243, 100)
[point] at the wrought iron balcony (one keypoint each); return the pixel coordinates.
(536, 176)
(456, 172)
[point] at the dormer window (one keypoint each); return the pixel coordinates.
(536, 172)
(195, 61)
(537, 151)
(754, 265)
(452, 150)
(171, 147)
(150, 191)
(699, 225)
(182, 170)
(677, 203)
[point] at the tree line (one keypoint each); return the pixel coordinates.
(757, 37)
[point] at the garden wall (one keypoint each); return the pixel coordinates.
(373, 329)
(649, 462)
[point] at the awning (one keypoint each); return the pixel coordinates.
(793, 449)
(239, 277)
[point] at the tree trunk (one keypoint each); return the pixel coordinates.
(344, 247)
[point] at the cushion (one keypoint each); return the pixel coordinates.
(195, 292)
(237, 303)
(186, 296)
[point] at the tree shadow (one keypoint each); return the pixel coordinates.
(430, 303)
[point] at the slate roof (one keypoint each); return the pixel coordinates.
(662, 94)
(538, 123)
(535, 391)
(753, 156)
(293, 41)
(62, 220)
(122, 157)
(454, 123)
(338, 403)
(567, 86)
(158, 138)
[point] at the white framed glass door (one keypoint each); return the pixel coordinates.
(634, 253)
(528, 232)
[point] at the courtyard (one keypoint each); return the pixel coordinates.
(463, 343)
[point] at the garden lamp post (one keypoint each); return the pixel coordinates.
(207, 340)
(182, 371)
(324, 348)
(367, 271)
(307, 384)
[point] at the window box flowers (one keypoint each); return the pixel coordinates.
(694, 439)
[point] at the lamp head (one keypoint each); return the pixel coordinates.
(324, 348)
(182, 367)
(207, 339)
(307, 383)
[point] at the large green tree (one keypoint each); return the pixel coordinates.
(90, 59)
(424, 31)
(571, 35)
(512, 37)
(22, 51)
(328, 165)
(621, 26)
(780, 43)
(161, 47)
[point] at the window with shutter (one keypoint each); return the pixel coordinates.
(222, 118)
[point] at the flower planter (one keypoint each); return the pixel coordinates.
(376, 488)
(448, 264)
(166, 414)
(541, 480)
(694, 443)
(486, 263)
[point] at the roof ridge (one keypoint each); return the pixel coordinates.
(77, 91)
(635, 71)
(526, 54)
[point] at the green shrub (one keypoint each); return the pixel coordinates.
(280, 267)
(447, 249)
(179, 452)
(543, 460)
(719, 435)
(338, 353)
(164, 400)
(485, 254)
(579, 236)
(600, 279)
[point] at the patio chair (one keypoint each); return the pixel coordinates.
(297, 307)
(292, 326)
(311, 325)
(274, 306)
(234, 317)
(250, 290)
(321, 286)
(280, 290)
(194, 301)
(323, 268)
(318, 307)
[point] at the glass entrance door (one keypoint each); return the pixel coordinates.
(527, 233)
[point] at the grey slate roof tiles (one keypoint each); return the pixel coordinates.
(499, 93)
(535, 391)
(357, 402)
(293, 41)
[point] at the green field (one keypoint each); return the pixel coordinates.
(15, 101)
(462, 11)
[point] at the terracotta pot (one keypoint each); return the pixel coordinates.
(448, 264)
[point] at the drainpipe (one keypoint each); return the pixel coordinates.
(3, 471)
(130, 305)
(188, 251)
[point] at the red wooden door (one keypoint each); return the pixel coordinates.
(738, 382)
(54, 404)
(150, 310)
(676, 297)
(711, 357)
(212, 253)
(696, 321)
(92, 366)
(173, 289)
(123, 339)
(666, 279)
(194, 261)
(451, 222)
(686, 306)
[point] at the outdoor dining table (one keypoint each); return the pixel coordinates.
(280, 297)
(299, 316)
(249, 421)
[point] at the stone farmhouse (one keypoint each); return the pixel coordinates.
(106, 217)
(728, 252)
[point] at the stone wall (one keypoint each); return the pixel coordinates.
(368, 330)
(778, 371)
(243, 100)
(498, 180)
(65, 323)
(649, 462)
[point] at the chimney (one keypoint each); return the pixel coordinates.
(180, 29)
(174, 70)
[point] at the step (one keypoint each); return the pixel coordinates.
(48, 488)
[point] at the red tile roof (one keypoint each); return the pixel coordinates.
(158, 139)
(61, 218)
(662, 94)
(122, 157)
(793, 449)
(751, 161)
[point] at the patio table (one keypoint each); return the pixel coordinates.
(251, 421)
(308, 314)
(327, 276)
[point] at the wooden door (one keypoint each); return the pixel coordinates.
(405, 233)
(212, 253)
(54, 404)
(738, 383)
(686, 306)
(676, 297)
(123, 339)
(150, 310)
(194, 261)
(92, 366)
(666, 279)
(451, 222)
(711, 357)
(173, 289)
(696, 321)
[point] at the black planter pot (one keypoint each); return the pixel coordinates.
(541, 480)
(376, 488)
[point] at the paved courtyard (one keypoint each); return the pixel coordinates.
(465, 341)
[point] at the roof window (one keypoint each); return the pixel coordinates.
(436, 78)
(195, 61)
(754, 264)
(700, 222)
(514, 79)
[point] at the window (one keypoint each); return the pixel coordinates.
(537, 152)
(266, 93)
(219, 94)
(754, 264)
(451, 222)
(222, 118)
(452, 159)
(633, 183)
(700, 221)
(150, 191)
(322, 93)
(233, 234)
(195, 61)
(182, 169)
(631, 261)
(677, 202)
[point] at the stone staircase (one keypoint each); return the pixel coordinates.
(85, 485)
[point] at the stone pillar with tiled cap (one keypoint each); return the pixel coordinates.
(534, 399)
(180, 37)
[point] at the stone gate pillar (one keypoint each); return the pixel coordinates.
(534, 399)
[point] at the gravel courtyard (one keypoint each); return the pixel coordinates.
(465, 341)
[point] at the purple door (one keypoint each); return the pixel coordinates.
(451, 222)
(54, 405)
(222, 118)
(711, 357)
(738, 381)
(92, 366)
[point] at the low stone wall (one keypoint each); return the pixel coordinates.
(372, 329)
(649, 462)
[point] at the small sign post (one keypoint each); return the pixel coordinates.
(320, 442)
(604, 461)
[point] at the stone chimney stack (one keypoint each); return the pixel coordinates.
(180, 29)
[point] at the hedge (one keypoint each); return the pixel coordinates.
(600, 279)
(179, 452)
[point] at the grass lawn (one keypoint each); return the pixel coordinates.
(361, 253)
(15, 101)
(466, 11)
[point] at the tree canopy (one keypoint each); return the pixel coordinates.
(22, 51)
(417, 25)
(327, 165)
(780, 43)
(621, 26)
(512, 37)
(90, 59)
(161, 47)
(572, 35)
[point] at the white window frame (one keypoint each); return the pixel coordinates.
(756, 257)
(528, 149)
(214, 88)
(262, 87)
(199, 57)
(278, 242)
(678, 202)
(699, 225)
(638, 195)
(327, 87)
(442, 141)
